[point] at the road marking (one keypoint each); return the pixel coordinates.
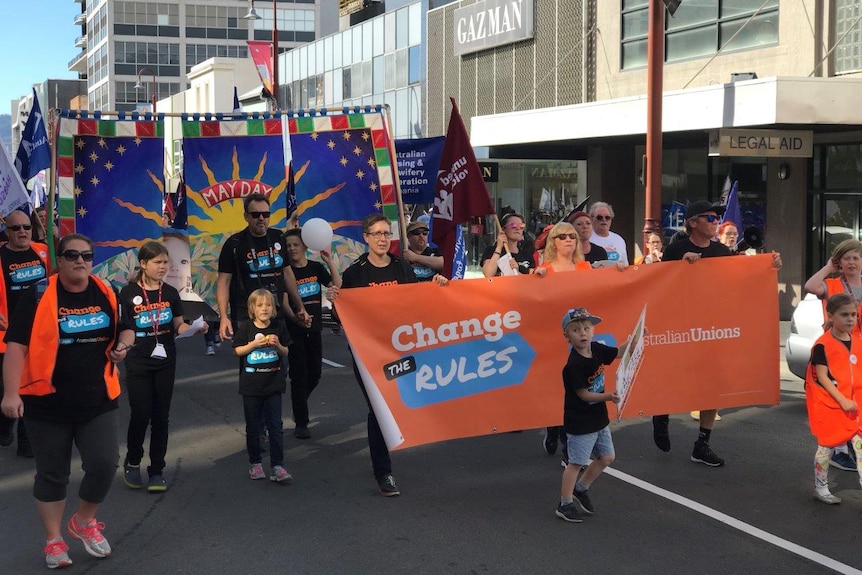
(331, 363)
(736, 523)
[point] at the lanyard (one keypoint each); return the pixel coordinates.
(154, 315)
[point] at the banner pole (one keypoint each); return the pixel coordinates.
(54, 130)
(402, 227)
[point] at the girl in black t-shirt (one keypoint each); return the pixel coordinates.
(260, 343)
(152, 314)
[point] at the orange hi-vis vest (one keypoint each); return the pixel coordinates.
(42, 357)
(836, 286)
(830, 424)
(41, 251)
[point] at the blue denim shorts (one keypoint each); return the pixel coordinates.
(581, 447)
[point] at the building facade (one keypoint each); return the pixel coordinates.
(124, 42)
(733, 68)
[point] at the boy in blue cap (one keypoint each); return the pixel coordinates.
(585, 413)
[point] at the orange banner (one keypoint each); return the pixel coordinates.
(485, 356)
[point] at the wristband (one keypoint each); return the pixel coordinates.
(500, 254)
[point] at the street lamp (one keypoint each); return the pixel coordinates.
(253, 15)
(140, 86)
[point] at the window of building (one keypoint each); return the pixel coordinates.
(289, 19)
(848, 53)
(197, 53)
(699, 29)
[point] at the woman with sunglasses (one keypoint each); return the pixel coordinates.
(66, 387)
(152, 315)
(510, 240)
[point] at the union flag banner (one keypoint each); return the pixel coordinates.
(261, 54)
(487, 357)
(343, 171)
(223, 162)
(110, 176)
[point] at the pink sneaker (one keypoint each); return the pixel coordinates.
(57, 554)
(280, 475)
(90, 535)
(256, 472)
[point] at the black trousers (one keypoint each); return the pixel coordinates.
(380, 460)
(304, 367)
(8, 423)
(150, 392)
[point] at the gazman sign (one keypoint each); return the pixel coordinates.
(490, 23)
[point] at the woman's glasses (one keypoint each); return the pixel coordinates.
(73, 255)
(516, 226)
(19, 227)
(566, 236)
(378, 235)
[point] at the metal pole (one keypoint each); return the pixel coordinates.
(275, 53)
(655, 71)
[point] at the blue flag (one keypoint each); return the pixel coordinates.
(732, 212)
(236, 107)
(33, 155)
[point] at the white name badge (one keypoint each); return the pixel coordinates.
(159, 352)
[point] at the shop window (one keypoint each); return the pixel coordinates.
(700, 29)
(848, 52)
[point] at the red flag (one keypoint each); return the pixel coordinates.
(461, 193)
(261, 54)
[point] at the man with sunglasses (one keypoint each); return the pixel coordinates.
(23, 263)
(701, 221)
(426, 261)
(601, 215)
(255, 258)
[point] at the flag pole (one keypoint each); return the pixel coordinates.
(402, 227)
(53, 130)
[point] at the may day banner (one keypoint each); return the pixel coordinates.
(110, 187)
(343, 172)
(223, 162)
(487, 356)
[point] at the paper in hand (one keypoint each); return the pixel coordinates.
(194, 328)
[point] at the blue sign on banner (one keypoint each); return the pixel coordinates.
(418, 160)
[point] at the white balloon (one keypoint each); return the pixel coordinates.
(317, 234)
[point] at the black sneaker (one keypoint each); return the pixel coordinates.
(302, 432)
(132, 476)
(660, 433)
(387, 486)
(582, 500)
(570, 512)
(550, 440)
(157, 483)
(703, 454)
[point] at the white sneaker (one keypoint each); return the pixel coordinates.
(210, 350)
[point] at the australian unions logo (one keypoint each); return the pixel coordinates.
(458, 359)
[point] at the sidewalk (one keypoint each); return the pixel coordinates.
(789, 382)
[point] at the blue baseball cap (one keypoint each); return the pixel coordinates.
(577, 314)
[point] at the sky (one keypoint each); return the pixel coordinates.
(36, 48)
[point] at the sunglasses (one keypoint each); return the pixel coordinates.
(73, 255)
(516, 226)
(256, 215)
(566, 236)
(709, 217)
(419, 233)
(604, 218)
(19, 227)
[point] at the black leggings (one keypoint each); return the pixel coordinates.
(150, 392)
(304, 367)
(96, 440)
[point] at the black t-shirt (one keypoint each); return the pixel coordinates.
(86, 324)
(581, 417)
(137, 314)
(20, 271)
(424, 273)
(679, 248)
(254, 263)
(260, 371)
(818, 356)
(365, 274)
(597, 254)
(310, 279)
(524, 257)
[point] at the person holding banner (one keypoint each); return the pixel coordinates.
(584, 226)
(585, 413)
(511, 239)
(829, 389)
(701, 221)
(251, 259)
(379, 268)
(846, 262)
(427, 261)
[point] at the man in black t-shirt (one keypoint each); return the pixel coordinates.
(251, 259)
(426, 261)
(701, 220)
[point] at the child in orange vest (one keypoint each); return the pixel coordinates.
(834, 370)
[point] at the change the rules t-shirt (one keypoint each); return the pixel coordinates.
(310, 280)
(260, 370)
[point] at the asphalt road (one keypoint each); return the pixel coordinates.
(474, 506)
